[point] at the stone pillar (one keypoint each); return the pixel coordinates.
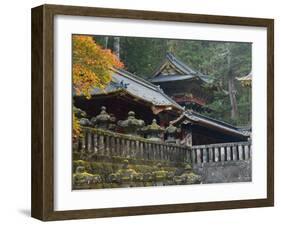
(161, 147)
(217, 154)
(222, 154)
(228, 153)
(89, 141)
(117, 146)
(205, 156)
(145, 147)
(250, 152)
(83, 141)
(149, 151)
(246, 152)
(211, 154)
(240, 152)
(141, 150)
(107, 145)
(101, 145)
(123, 147)
(112, 147)
(193, 156)
(95, 143)
(198, 155)
(127, 149)
(132, 148)
(234, 153)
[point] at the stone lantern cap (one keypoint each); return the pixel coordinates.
(171, 129)
(102, 120)
(131, 124)
(103, 116)
(153, 131)
(153, 127)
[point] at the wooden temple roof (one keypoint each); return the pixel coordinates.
(204, 121)
(172, 69)
(138, 88)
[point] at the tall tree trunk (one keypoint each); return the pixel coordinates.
(232, 97)
(116, 46)
(231, 87)
(106, 41)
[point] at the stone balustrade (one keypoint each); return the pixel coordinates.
(220, 152)
(108, 143)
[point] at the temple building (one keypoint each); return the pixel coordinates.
(187, 87)
(128, 92)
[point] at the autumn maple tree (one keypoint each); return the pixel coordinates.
(91, 68)
(91, 65)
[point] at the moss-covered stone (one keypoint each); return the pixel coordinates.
(122, 172)
(83, 163)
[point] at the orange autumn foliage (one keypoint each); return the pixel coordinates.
(91, 69)
(91, 65)
(76, 128)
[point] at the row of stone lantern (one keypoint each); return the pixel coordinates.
(132, 126)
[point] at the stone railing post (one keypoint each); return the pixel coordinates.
(95, 142)
(89, 141)
(83, 140)
(216, 154)
(101, 145)
(204, 153)
(234, 153)
(211, 154)
(246, 152)
(240, 152)
(228, 153)
(222, 154)
(198, 154)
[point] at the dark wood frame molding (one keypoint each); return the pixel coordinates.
(43, 120)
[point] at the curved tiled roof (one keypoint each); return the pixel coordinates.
(137, 87)
(205, 121)
(183, 71)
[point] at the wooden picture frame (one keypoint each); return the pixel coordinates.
(43, 112)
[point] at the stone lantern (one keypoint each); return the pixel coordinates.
(112, 123)
(85, 122)
(171, 132)
(131, 125)
(153, 131)
(102, 120)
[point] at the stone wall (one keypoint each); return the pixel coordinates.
(224, 172)
(222, 163)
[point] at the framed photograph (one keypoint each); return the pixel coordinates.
(141, 112)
